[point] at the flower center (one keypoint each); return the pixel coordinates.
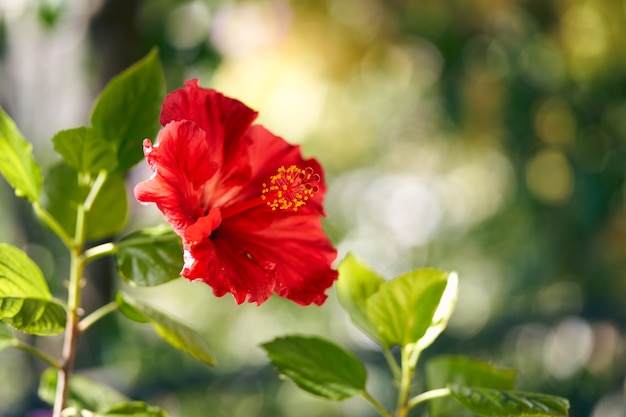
(290, 188)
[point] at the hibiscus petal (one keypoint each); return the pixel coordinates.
(182, 164)
(224, 119)
(228, 269)
(203, 227)
(292, 257)
(267, 154)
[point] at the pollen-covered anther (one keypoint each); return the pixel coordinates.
(290, 188)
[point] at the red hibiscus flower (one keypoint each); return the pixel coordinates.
(244, 201)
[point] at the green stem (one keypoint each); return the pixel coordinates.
(77, 268)
(381, 410)
(100, 251)
(53, 224)
(393, 365)
(428, 395)
(410, 355)
(85, 323)
(36, 352)
(111, 248)
(95, 189)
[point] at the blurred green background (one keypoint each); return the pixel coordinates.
(486, 137)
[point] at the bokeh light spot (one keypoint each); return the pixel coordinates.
(480, 284)
(560, 298)
(241, 28)
(549, 177)
(568, 347)
(611, 405)
(554, 122)
(584, 30)
(542, 65)
(188, 25)
(607, 347)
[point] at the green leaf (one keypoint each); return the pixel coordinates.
(25, 300)
(493, 403)
(444, 311)
(135, 409)
(175, 333)
(84, 393)
(150, 257)
(16, 160)
(355, 285)
(460, 370)
(5, 332)
(34, 316)
(128, 109)
(128, 310)
(19, 275)
(317, 366)
(403, 309)
(6, 336)
(83, 150)
(65, 189)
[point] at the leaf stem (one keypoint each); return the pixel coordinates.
(53, 224)
(100, 251)
(111, 248)
(95, 189)
(85, 323)
(36, 352)
(393, 364)
(428, 395)
(381, 410)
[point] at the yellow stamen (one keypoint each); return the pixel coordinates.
(290, 188)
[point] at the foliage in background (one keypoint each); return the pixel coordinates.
(488, 101)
